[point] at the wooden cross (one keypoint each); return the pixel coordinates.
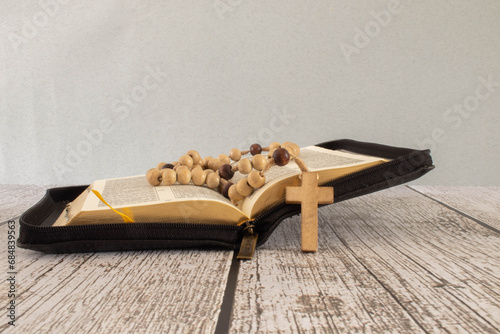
(309, 195)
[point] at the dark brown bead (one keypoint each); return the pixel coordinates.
(281, 157)
(168, 166)
(225, 171)
(225, 189)
(255, 149)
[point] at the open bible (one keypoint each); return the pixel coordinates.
(177, 203)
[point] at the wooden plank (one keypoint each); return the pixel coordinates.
(482, 203)
(393, 261)
(15, 199)
(118, 292)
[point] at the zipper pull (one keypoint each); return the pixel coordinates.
(248, 243)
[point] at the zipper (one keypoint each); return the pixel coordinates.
(125, 225)
(249, 241)
(129, 232)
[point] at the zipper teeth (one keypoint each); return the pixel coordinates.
(123, 226)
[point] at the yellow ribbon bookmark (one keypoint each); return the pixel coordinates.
(126, 218)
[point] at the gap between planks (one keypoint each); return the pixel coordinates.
(474, 219)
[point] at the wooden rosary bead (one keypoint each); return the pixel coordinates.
(235, 154)
(244, 188)
(271, 151)
(183, 175)
(217, 165)
(222, 183)
(168, 176)
(206, 160)
(297, 150)
(181, 167)
(168, 166)
(234, 195)
(225, 189)
(198, 176)
(225, 171)
(292, 148)
(186, 160)
(197, 160)
(208, 171)
(213, 180)
(289, 143)
(255, 180)
(255, 149)
(274, 145)
(224, 158)
(153, 176)
(259, 161)
(244, 166)
(196, 167)
(281, 156)
(212, 162)
(160, 165)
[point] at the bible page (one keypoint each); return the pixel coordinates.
(136, 191)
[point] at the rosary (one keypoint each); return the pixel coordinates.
(216, 173)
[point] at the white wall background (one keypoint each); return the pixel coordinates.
(231, 72)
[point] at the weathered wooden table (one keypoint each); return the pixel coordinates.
(404, 260)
